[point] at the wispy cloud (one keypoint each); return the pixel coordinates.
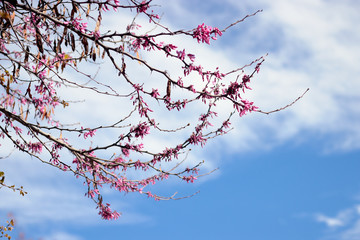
(352, 233)
(331, 221)
(54, 197)
(313, 45)
(345, 225)
(62, 236)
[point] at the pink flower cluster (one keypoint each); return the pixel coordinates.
(203, 33)
(155, 93)
(141, 130)
(2, 46)
(108, 3)
(233, 89)
(107, 214)
(246, 107)
(190, 178)
(168, 48)
(76, 24)
(35, 147)
(182, 55)
(143, 6)
(90, 133)
(195, 139)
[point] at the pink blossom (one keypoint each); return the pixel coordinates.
(191, 88)
(180, 82)
(77, 24)
(257, 68)
(105, 8)
(139, 164)
(90, 133)
(143, 6)
(196, 139)
(191, 57)
(126, 150)
(190, 178)
(168, 48)
(141, 130)
(35, 147)
(202, 33)
(107, 214)
(96, 34)
(245, 80)
(233, 88)
(119, 160)
(155, 93)
(2, 46)
(117, 3)
(226, 124)
(18, 130)
(181, 54)
(247, 107)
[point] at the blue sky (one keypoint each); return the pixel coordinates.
(290, 175)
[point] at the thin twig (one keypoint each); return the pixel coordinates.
(289, 105)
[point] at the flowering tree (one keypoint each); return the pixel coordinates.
(48, 47)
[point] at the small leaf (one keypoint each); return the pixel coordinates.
(93, 55)
(39, 43)
(2, 177)
(168, 89)
(8, 87)
(4, 15)
(72, 38)
(63, 65)
(12, 17)
(98, 23)
(28, 91)
(21, 112)
(85, 44)
(98, 50)
(88, 10)
(26, 116)
(103, 54)
(43, 114)
(25, 33)
(66, 40)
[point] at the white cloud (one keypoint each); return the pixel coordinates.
(313, 45)
(62, 236)
(344, 226)
(352, 233)
(358, 209)
(341, 219)
(54, 196)
(330, 222)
